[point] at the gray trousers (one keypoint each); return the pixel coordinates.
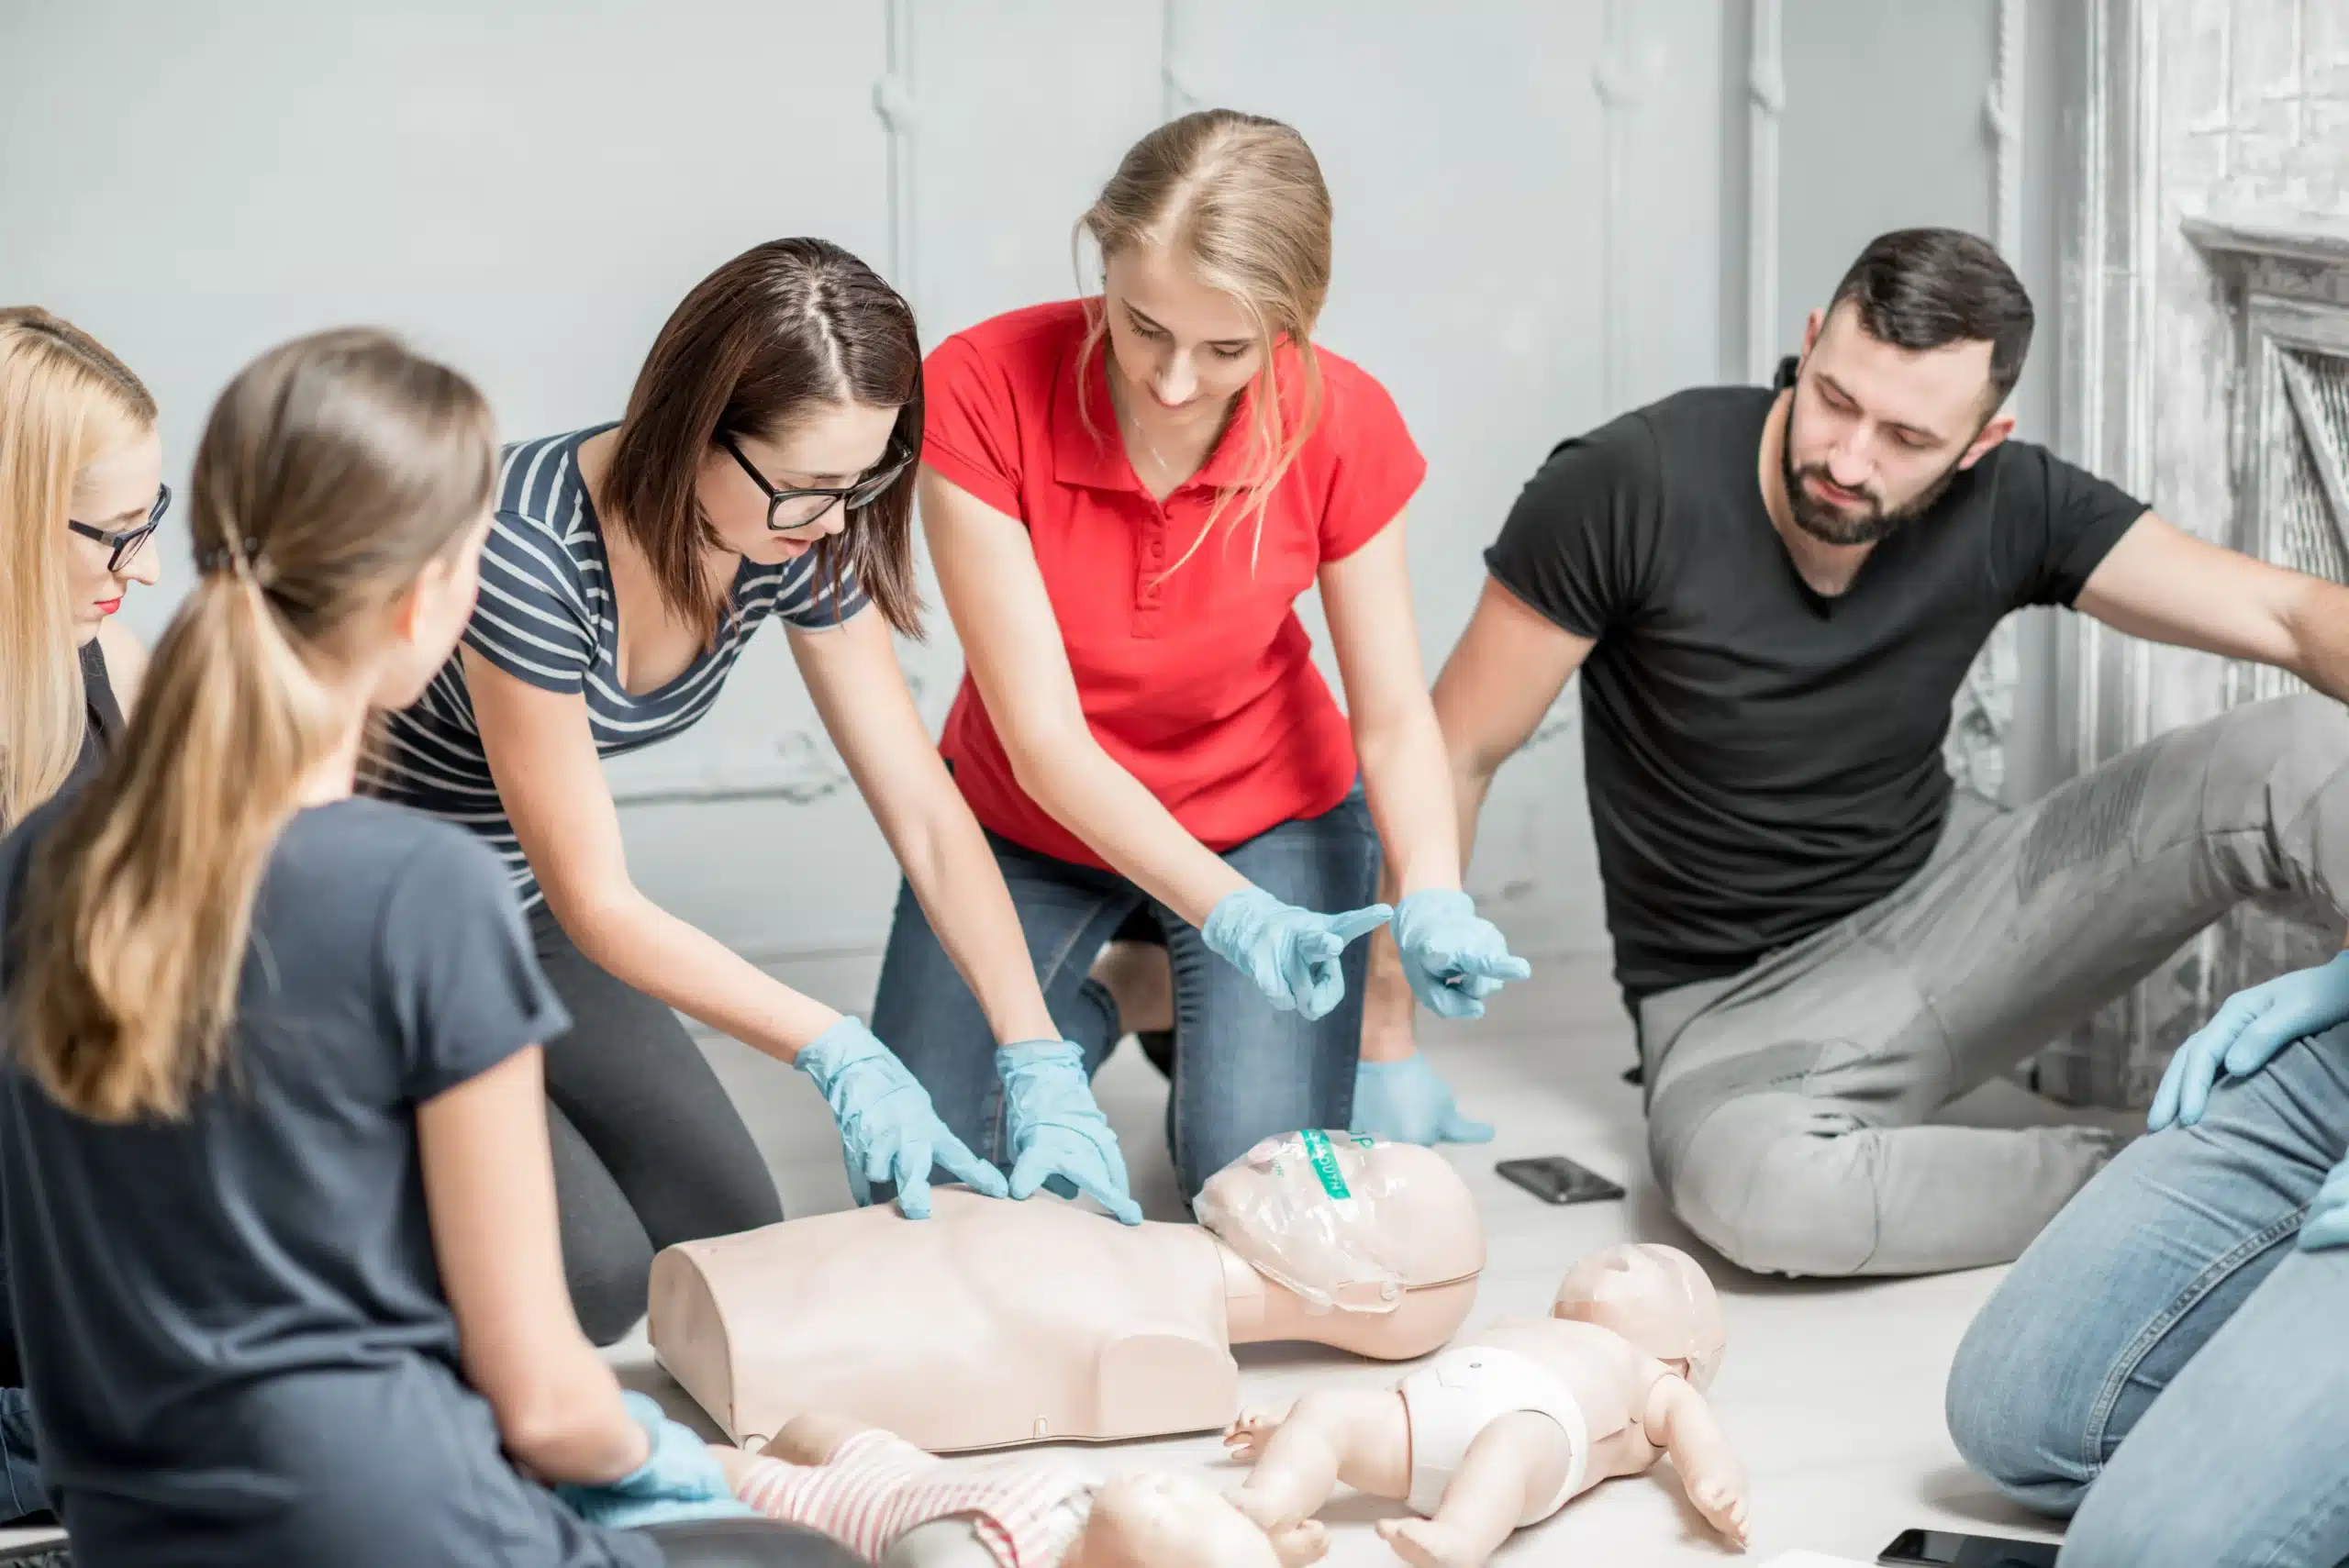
(1785, 1103)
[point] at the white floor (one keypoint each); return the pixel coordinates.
(1832, 1391)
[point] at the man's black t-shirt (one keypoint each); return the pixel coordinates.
(1763, 761)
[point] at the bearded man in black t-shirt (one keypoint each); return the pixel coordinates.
(1772, 597)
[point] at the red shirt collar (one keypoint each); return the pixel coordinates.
(1096, 458)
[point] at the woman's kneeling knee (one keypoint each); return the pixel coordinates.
(2005, 1423)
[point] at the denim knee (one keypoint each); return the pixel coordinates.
(22, 1492)
(2004, 1421)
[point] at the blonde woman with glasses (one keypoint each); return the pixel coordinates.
(81, 491)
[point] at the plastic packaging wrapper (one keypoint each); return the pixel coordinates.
(1303, 1208)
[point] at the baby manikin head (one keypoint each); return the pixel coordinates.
(1168, 1519)
(1346, 1220)
(1657, 1297)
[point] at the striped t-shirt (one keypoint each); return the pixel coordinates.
(546, 616)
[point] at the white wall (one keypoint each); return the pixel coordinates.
(1543, 218)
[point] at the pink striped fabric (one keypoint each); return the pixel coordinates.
(877, 1486)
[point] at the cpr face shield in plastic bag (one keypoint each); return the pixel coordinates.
(1317, 1213)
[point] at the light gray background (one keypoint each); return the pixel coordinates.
(1544, 218)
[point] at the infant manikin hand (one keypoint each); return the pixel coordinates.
(1504, 1427)
(1166, 1519)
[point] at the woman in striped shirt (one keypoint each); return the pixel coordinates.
(763, 468)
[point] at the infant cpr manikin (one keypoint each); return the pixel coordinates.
(992, 1323)
(1503, 1428)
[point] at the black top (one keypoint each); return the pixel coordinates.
(238, 1346)
(102, 714)
(1763, 761)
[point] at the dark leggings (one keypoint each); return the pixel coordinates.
(749, 1543)
(648, 1150)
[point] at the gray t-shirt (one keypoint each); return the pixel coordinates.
(235, 1332)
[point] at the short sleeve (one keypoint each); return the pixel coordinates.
(969, 424)
(532, 619)
(2080, 519)
(1377, 470)
(1579, 541)
(820, 599)
(465, 986)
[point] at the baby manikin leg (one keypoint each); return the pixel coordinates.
(1514, 1467)
(1359, 1436)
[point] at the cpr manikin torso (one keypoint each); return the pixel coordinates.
(992, 1323)
(1502, 1429)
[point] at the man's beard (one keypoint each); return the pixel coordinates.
(1834, 525)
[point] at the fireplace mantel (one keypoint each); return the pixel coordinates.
(2320, 239)
(2289, 255)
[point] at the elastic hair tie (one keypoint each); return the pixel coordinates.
(243, 558)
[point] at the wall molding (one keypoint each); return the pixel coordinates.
(1765, 105)
(2106, 425)
(2009, 100)
(1179, 88)
(1622, 76)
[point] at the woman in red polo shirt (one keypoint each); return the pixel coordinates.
(1124, 496)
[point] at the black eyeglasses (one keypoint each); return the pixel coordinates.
(855, 498)
(125, 543)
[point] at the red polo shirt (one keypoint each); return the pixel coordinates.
(1201, 685)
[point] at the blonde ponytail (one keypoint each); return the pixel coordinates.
(333, 472)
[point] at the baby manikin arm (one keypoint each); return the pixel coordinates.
(1679, 1420)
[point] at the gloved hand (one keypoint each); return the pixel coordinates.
(1453, 957)
(680, 1481)
(1406, 1102)
(2327, 1224)
(2245, 1035)
(1060, 1139)
(889, 1130)
(1290, 953)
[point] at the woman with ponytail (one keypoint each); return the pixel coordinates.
(1125, 495)
(275, 1173)
(81, 491)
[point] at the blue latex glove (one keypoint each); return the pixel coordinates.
(1060, 1139)
(2327, 1222)
(1453, 957)
(2245, 1035)
(889, 1130)
(680, 1481)
(1406, 1102)
(1290, 953)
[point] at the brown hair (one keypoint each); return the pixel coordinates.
(64, 403)
(759, 344)
(1241, 199)
(1926, 288)
(333, 471)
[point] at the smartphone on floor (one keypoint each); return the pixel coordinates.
(1948, 1548)
(1554, 1178)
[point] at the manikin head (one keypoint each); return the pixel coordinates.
(1902, 382)
(1657, 1297)
(1169, 1520)
(1345, 1220)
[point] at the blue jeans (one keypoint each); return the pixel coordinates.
(21, 1492)
(2162, 1365)
(1242, 1069)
